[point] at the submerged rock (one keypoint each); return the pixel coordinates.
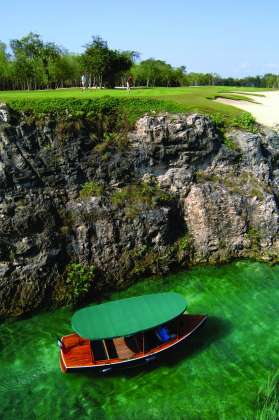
(177, 193)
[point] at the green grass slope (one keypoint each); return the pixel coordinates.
(135, 102)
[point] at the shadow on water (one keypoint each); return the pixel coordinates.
(213, 330)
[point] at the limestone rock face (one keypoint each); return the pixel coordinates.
(216, 221)
(177, 194)
(4, 113)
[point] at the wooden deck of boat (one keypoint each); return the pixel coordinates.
(122, 349)
(77, 351)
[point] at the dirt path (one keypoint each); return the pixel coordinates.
(266, 110)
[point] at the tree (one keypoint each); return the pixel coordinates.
(153, 72)
(96, 60)
(65, 70)
(35, 64)
(105, 66)
(32, 57)
(118, 67)
(6, 72)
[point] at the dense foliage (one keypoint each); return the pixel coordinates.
(106, 67)
(153, 72)
(91, 189)
(112, 112)
(79, 281)
(268, 80)
(35, 64)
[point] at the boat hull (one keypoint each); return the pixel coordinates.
(195, 322)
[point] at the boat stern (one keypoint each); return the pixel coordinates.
(75, 352)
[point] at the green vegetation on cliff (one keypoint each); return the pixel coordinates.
(77, 281)
(75, 103)
(140, 194)
(90, 189)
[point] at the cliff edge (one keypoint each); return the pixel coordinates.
(174, 191)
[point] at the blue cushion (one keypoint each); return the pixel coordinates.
(163, 334)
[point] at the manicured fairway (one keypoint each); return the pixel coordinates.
(216, 375)
(191, 98)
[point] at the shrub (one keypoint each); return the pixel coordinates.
(183, 245)
(110, 142)
(136, 196)
(145, 260)
(245, 121)
(218, 120)
(254, 236)
(68, 128)
(79, 279)
(90, 189)
(230, 143)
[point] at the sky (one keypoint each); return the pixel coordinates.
(232, 38)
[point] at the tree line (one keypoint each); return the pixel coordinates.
(268, 80)
(31, 63)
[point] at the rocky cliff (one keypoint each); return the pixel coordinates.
(172, 192)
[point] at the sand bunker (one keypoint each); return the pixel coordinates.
(266, 110)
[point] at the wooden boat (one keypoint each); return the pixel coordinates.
(126, 332)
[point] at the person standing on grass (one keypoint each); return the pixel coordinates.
(129, 83)
(83, 81)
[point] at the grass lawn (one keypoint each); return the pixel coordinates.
(191, 99)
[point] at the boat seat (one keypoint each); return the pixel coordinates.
(72, 340)
(123, 351)
(163, 334)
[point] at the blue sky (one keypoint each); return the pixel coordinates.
(234, 38)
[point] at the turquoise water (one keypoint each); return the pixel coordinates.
(216, 375)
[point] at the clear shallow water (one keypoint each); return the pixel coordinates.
(216, 375)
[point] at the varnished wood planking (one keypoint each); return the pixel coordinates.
(122, 349)
(77, 351)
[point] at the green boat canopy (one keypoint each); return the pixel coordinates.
(127, 316)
